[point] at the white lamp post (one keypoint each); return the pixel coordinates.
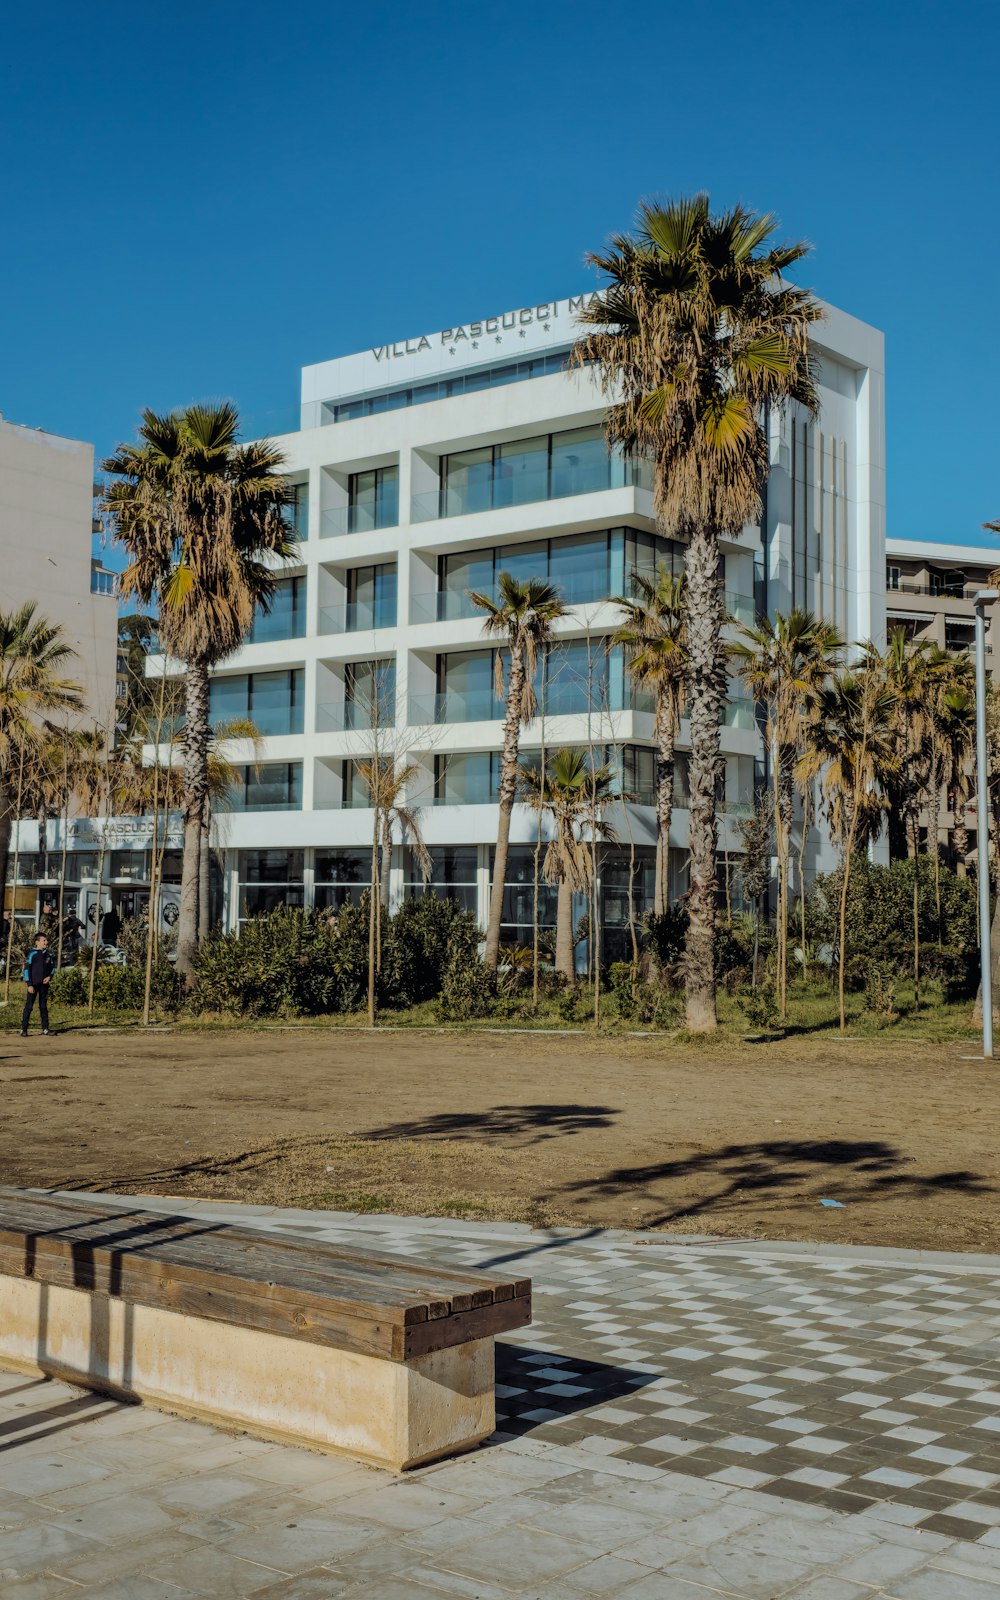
(981, 600)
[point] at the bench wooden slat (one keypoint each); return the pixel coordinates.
(149, 1232)
(293, 1287)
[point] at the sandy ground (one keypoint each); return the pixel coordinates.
(737, 1139)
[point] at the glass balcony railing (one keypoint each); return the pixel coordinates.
(102, 581)
(452, 605)
(363, 518)
(358, 615)
(554, 482)
(482, 705)
(738, 713)
(353, 716)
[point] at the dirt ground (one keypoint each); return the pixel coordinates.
(743, 1140)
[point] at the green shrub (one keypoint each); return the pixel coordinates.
(469, 990)
(880, 996)
(69, 986)
(759, 1006)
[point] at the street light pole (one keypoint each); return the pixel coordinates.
(980, 600)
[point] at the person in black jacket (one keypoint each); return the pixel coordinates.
(38, 970)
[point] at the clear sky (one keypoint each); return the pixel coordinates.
(200, 197)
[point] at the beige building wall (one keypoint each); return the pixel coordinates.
(46, 519)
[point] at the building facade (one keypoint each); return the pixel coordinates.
(425, 468)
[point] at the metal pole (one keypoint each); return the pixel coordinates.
(981, 599)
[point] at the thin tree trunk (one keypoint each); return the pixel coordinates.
(373, 921)
(806, 818)
(101, 854)
(565, 962)
(960, 834)
(664, 814)
(6, 829)
(848, 853)
(508, 790)
(151, 912)
(196, 737)
(3, 881)
(706, 693)
(535, 930)
(933, 828)
(916, 911)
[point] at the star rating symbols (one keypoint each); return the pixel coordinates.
(546, 326)
(497, 339)
(475, 344)
(451, 352)
(520, 333)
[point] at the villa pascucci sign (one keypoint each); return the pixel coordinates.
(547, 312)
(120, 832)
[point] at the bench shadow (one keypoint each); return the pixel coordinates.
(41, 1422)
(723, 1179)
(529, 1380)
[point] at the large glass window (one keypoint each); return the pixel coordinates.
(272, 701)
(271, 786)
(518, 914)
(469, 778)
(585, 567)
(342, 876)
(466, 689)
(369, 694)
(453, 876)
(525, 470)
(287, 617)
(371, 597)
(269, 879)
(373, 499)
(541, 366)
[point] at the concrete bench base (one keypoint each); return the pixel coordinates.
(393, 1414)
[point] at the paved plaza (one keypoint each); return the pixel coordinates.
(684, 1418)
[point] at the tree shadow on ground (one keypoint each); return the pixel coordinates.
(530, 1124)
(712, 1181)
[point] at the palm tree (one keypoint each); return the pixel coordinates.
(694, 336)
(853, 746)
(33, 653)
(386, 785)
(784, 663)
(203, 521)
(653, 634)
(957, 727)
(571, 792)
(522, 616)
(913, 677)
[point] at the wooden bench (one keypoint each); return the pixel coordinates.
(388, 1361)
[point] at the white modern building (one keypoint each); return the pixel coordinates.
(426, 467)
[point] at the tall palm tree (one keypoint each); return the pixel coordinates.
(913, 677)
(521, 616)
(202, 518)
(784, 662)
(33, 655)
(571, 792)
(695, 334)
(853, 748)
(957, 723)
(949, 672)
(653, 634)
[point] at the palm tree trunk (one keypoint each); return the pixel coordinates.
(204, 880)
(664, 812)
(3, 881)
(706, 693)
(565, 962)
(784, 834)
(960, 834)
(64, 852)
(386, 864)
(933, 828)
(806, 803)
(98, 919)
(6, 829)
(151, 912)
(915, 820)
(196, 737)
(508, 789)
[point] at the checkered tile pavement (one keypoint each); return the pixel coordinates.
(832, 1379)
(837, 1381)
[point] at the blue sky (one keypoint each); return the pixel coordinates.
(200, 198)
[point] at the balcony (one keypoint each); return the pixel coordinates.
(353, 716)
(453, 605)
(553, 482)
(358, 519)
(358, 616)
(561, 700)
(102, 581)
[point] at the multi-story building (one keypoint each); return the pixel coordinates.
(423, 469)
(46, 525)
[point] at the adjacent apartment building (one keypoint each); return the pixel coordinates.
(423, 469)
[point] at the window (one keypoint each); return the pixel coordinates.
(371, 597)
(548, 466)
(467, 778)
(286, 618)
(269, 879)
(342, 876)
(453, 876)
(518, 914)
(272, 701)
(959, 635)
(373, 499)
(272, 786)
(466, 689)
(947, 581)
(447, 388)
(369, 694)
(585, 567)
(892, 577)
(297, 511)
